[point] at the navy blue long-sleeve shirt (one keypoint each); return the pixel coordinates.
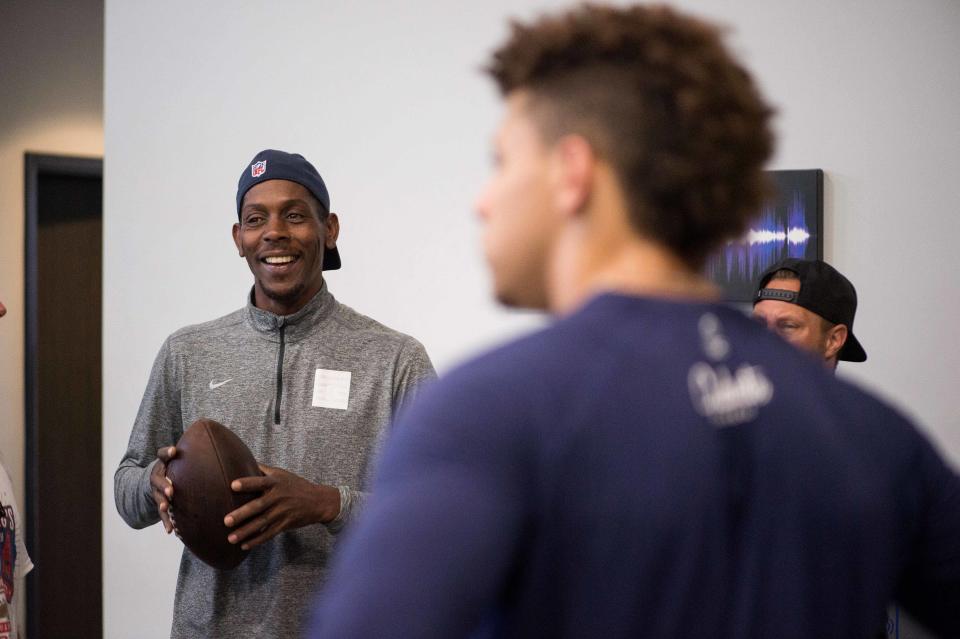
(646, 468)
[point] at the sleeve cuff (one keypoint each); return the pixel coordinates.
(145, 489)
(346, 501)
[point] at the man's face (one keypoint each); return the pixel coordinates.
(802, 328)
(281, 236)
(519, 224)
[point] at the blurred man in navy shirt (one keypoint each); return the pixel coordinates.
(653, 463)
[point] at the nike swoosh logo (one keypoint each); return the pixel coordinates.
(219, 384)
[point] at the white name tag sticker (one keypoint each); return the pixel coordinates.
(331, 389)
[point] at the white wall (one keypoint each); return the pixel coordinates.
(387, 101)
(51, 83)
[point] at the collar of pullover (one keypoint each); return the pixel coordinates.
(296, 325)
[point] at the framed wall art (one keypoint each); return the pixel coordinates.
(789, 225)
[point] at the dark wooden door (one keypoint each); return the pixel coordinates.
(63, 450)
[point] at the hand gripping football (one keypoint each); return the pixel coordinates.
(209, 457)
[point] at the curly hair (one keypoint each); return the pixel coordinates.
(656, 93)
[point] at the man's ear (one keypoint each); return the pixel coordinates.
(836, 338)
(236, 239)
(574, 162)
(333, 231)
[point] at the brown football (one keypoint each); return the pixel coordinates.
(209, 457)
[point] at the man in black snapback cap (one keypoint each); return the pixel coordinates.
(811, 305)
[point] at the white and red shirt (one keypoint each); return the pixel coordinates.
(14, 561)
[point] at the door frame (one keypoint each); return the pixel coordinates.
(36, 164)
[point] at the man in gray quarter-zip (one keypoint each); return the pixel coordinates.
(307, 383)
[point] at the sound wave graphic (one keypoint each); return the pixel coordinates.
(793, 235)
(770, 238)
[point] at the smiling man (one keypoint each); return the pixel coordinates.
(306, 382)
(653, 463)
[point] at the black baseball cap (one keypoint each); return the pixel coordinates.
(824, 291)
(271, 164)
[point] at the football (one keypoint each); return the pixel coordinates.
(209, 457)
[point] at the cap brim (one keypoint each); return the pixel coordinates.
(852, 351)
(331, 259)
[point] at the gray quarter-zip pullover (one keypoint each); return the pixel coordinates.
(281, 384)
